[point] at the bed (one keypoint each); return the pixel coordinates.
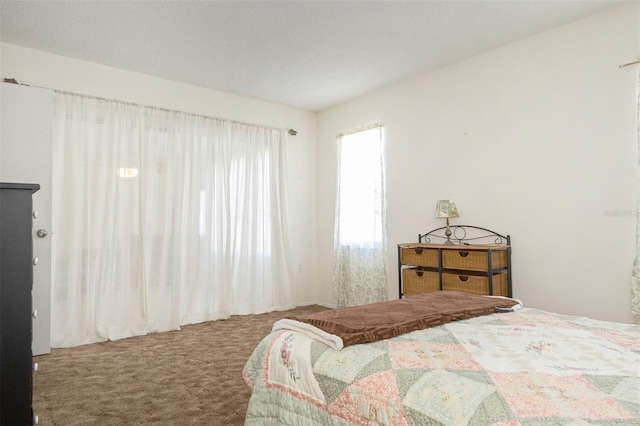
(476, 366)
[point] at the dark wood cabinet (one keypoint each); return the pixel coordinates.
(16, 282)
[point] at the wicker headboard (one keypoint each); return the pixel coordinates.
(465, 234)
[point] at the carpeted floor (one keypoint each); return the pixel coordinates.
(192, 376)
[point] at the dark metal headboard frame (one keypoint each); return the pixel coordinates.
(459, 236)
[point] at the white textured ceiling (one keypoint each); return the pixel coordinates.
(307, 54)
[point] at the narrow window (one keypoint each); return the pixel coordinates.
(359, 274)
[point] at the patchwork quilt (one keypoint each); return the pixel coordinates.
(527, 367)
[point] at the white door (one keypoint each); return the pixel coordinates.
(26, 117)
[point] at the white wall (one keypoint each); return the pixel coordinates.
(536, 139)
(25, 156)
(51, 71)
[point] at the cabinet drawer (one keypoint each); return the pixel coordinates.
(415, 281)
(476, 284)
(419, 256)
(473, 260)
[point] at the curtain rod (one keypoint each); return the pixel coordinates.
(14, 81)
(629, 63)
(359, 129)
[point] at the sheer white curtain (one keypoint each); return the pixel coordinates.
(359, 273)
(635, 279)
(163, 219)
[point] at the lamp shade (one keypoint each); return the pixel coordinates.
(446, 209)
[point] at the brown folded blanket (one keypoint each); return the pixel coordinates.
(378, 321)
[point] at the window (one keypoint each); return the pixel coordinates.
(360, 235)
(360, 188)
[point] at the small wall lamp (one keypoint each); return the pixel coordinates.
(127, 172)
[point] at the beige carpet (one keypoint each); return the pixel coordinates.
(192, 376)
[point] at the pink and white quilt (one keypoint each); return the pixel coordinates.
(527, 367)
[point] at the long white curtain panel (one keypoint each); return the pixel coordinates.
(635, 276)
(163, 219)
